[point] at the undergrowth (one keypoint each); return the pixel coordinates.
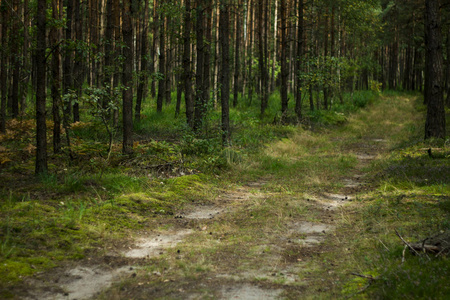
(97, 198)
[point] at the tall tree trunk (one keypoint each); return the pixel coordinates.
(275, 46)
(225, 73)
(250, 51)
(187, 76)
(3, 77)
(127, 78)
(284, 64)
(298, 88)
(56, 79)
(325, 58)
(207, 54)
(25, 70)
(236, 55)
(262, 55)
(162, 65)
(15, 53)
(143, 77)
(116, 53)
(79, 58)
(109, 42)
(68, 53)
(155, 26)
(200, 102)
(41, 128)
(435, 121)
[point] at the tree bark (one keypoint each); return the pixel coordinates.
(15, 62)
(162, 65)
(435, 121)
(250, 51)
(200, 103)
(187, 76)
(225, 74)
(3, 78)
(40, 62)
(127, 78)
(78, 62)
(236, 55)
(284, 64)
(298, 88)
(56, 80)
(143, 76)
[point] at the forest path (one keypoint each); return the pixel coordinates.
(256, 240)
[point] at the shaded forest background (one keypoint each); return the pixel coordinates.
(68, 62)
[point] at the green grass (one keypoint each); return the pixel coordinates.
(89, 202)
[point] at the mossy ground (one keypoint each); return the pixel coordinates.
(272, 180)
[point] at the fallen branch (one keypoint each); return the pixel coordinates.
(406, 243)
(370, 277)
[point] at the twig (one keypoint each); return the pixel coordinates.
(442, 251)
(423, 244)
(370, 277)
(406, 243)
(403, 254)
(383, 244)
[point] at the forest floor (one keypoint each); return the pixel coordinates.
(309, 222)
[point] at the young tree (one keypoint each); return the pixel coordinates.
(435, 121)
(40, 62)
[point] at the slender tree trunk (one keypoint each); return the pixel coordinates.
(68, 55)
(298, 89)
(56, 80)
(168, 68)
(143, 78)
(447, 77)
(79, 58)
(25, 70)
(250, 51)
(325, 58)
(275, 46)
(109, 42)
(41, 128)
(15, 62)
(187, 75)
(200, 108)
(155, 26)
(236, 55)
(127, 78)
(435, 121)
(262, 56)
(207, 55)
(284, 64)
(162, 65)
(3, 78)
(225, 73)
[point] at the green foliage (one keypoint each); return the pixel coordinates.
(326, 117)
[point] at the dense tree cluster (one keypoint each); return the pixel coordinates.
(114, 55)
